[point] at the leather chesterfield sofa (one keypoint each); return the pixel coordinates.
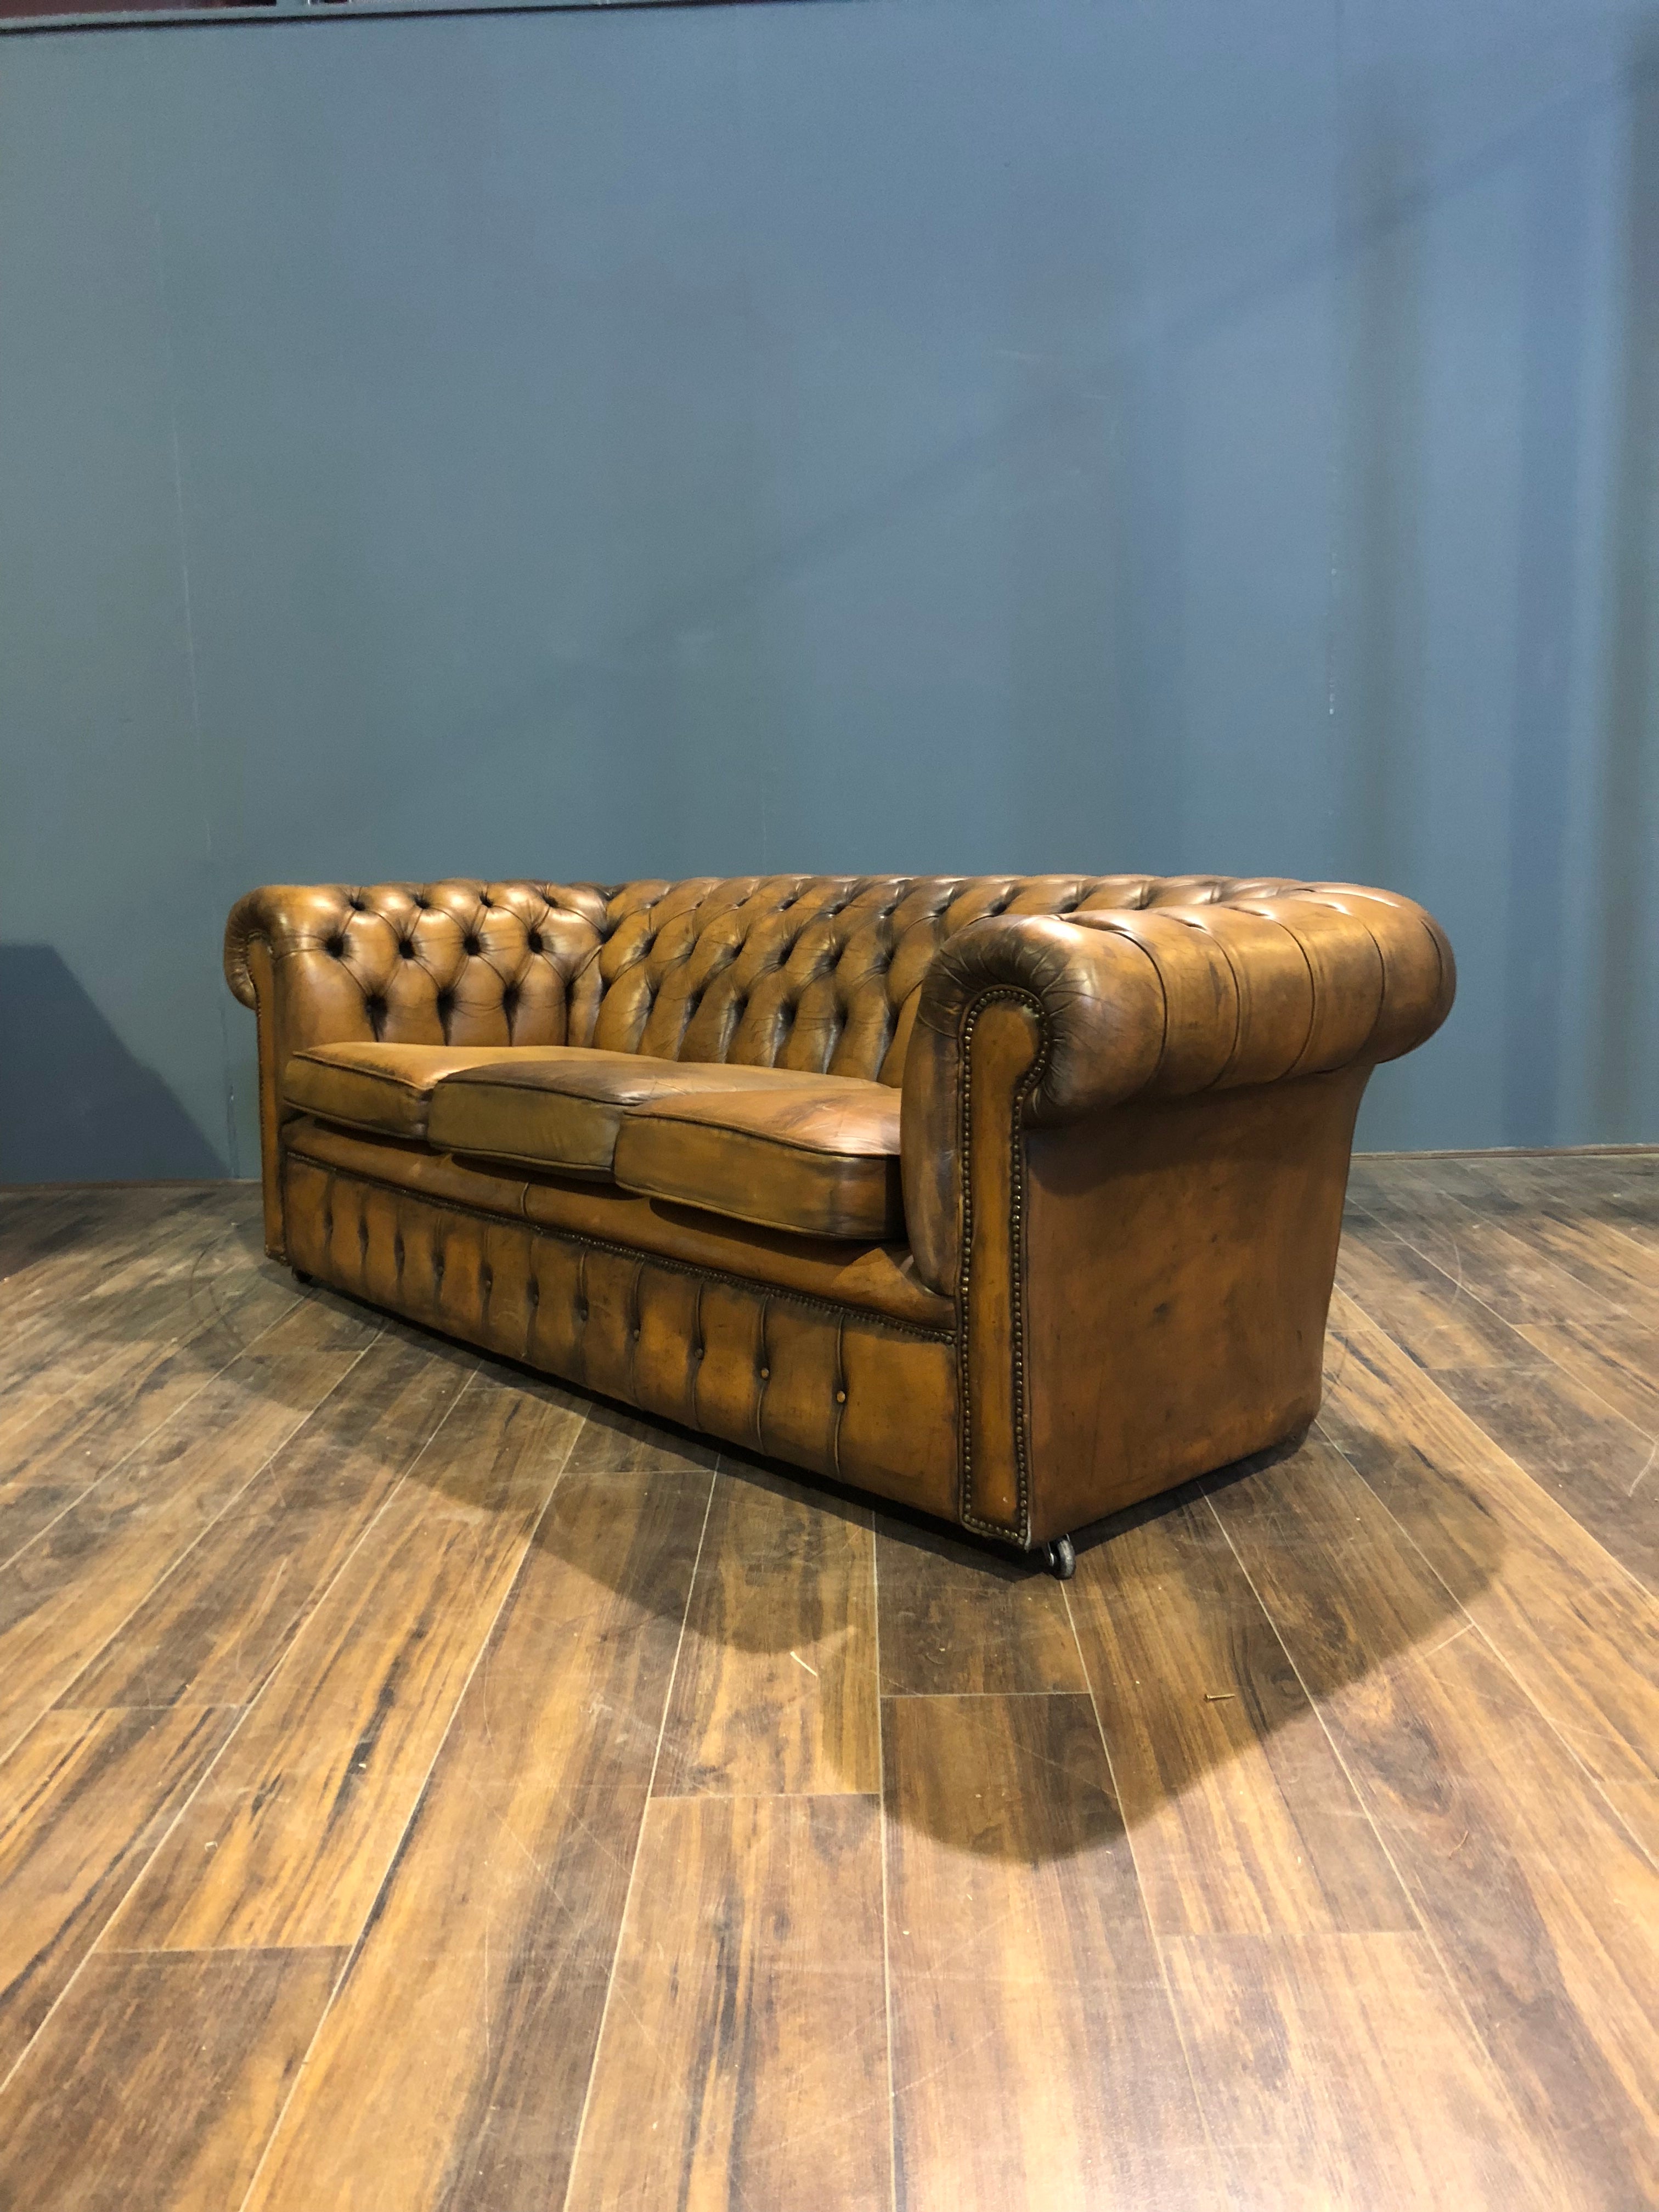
(1014, 1200)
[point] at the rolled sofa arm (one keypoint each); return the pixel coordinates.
(1075, 1016)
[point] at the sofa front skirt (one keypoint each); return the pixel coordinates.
(864, 1400)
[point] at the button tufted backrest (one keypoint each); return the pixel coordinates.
(456, 963)
(815, 972)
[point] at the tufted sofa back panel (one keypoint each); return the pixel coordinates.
(814, 972)
(820, 973)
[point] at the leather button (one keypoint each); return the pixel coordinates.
(766, 1375)
(841, 1397)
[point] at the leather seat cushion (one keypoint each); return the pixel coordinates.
(384, 1087)
(561, 1108)
(821, 1159)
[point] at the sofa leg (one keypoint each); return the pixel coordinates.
(304, 1280)
(1061, 1558)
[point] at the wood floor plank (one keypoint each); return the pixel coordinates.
(1241, 1818)
(58, 1238)
(1553, 1206)
(210, 1631)
(753, 1922)
(36, 1226)
(493, 1943)
(1541, 1906)
(1618, 1360)
(68, 1590)
(1441, 1321)
(958, 1618)
(74, 1424)
(289, 1838)
(1579, 1634)
(163, 1283)
(614, 1442)
(1597, 1465)
(776, 1683)
(1622, 1189)
(84, 1799)
(1340, 2074)
(1566, 1433)
(154, 2086)
(1103, 1972)
(153, 1236)
(1517, 1275)
(1035, 2059)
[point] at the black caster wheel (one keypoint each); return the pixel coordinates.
(1061, 1558)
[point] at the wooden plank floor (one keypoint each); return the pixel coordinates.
(421, 1787)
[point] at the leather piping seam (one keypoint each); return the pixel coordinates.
(1019, 1531)
(346, 1122)
(805, 1150)
(863, 1314)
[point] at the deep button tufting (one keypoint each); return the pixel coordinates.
(766, 1375)
(535, 1292)
(813, 972)
(841, 1397)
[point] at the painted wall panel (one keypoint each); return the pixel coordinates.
(867, 433)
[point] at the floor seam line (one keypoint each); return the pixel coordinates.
(639, 1844)
(354, 1949)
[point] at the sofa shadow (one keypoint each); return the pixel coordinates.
(977, 1586)
(74, 1101)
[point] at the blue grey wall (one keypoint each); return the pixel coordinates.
(868, 435)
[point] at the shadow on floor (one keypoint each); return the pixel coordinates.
(976, 1589)
(73, 1103)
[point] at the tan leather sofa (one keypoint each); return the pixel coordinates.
(1011, 1199)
